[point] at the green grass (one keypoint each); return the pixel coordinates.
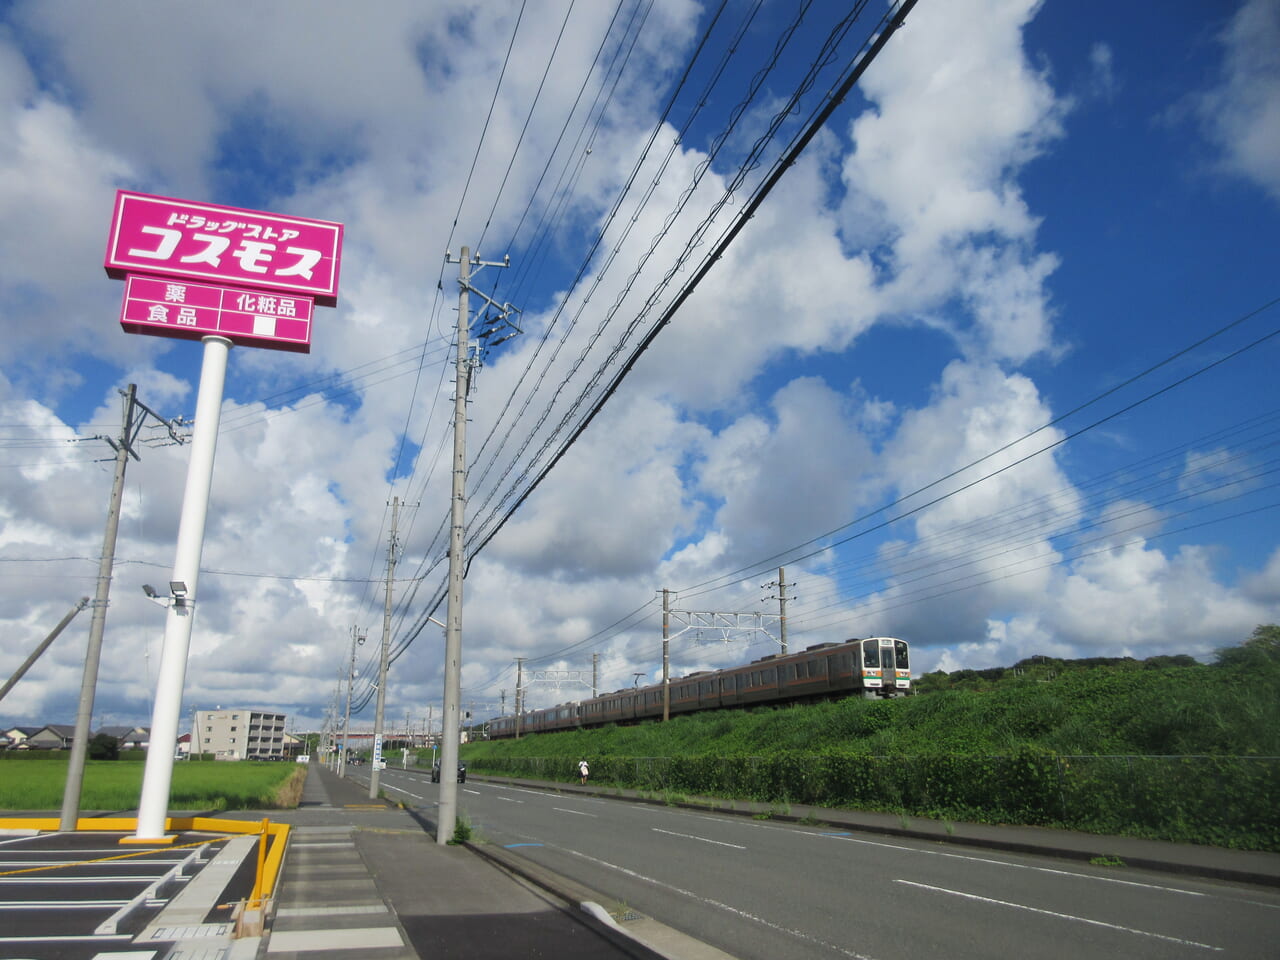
(114, 786)
(1178, 751)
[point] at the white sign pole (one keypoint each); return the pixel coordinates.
(153, 807)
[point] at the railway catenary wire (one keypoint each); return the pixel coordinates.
(1248, 315)
(801, 616)
(517, 504)
(1048, 514)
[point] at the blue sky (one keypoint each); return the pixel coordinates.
(1021, 207)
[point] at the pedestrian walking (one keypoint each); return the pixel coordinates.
(582, 769)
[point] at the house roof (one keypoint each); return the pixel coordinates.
(126, 733)
(59, 729)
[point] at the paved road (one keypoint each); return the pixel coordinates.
(766, 890)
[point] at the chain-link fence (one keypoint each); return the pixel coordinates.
(1228, 801)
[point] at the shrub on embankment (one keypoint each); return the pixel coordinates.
(1187, 753)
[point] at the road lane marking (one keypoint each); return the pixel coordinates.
(142, 881)
(798, 934)
(578, 813)
(405, 792)
(509, 800)
(690, 836)
(61, 904)
(1063, 916)
(850, 838)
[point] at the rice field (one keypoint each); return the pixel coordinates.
(115, 787)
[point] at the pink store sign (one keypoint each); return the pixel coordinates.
(204, 241)
(189, 311)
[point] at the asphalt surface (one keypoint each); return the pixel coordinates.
(366, 878)
(1219, 863)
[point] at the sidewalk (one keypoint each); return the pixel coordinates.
(1241, 866)
(365, 879)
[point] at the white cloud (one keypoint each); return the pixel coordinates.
(1242, 113)
(746, 429)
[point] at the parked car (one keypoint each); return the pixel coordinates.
(462, 772)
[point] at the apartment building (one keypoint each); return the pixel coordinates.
(239, 733)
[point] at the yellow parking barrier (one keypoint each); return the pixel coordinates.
(270, 856)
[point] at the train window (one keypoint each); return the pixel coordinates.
(870, 653)
(901, 654)
(770, 676)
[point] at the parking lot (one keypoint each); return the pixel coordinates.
(86, 895)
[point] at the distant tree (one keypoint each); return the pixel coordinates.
(1160, 661)
(103, 746)
(1260, 650)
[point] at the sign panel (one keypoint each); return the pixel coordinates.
(204, 241)
(175, 308)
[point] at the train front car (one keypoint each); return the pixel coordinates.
(886, 668)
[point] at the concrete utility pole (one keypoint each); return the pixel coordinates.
(357, 640)
(519, 693)
(93, 656)
(450, 726)
(666, 657)
(782, 608)
(595, 673)
(386, 650)
(448, 808)
(44, 645)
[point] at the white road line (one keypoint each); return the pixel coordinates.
(133, 880)
(61, 904)
(577, 813)
(689, 836)
(509, 800)
(1063, 916)
(798, 934)
(973, 859)
(65, 940)
(405, 792)
(364, 938)
(21, 864)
